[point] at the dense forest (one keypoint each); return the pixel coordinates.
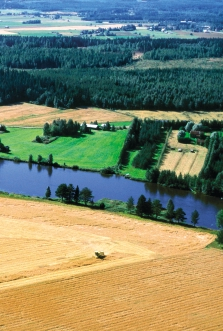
(180, 89)
(86, 71)
(76, 52)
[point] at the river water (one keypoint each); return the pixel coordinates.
(33, 179)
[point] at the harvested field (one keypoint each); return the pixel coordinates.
(26, 114)
(195, 116)
(184, 162)
(155, 276)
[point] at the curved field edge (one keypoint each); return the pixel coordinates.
(60, 285)
(61, 237)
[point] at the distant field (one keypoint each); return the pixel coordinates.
(155, 276)
(95, 151)
(183, 162)
(26, 114)
(195, 116)
(73, 25)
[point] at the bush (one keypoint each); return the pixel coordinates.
(220, 237)
(102, 205)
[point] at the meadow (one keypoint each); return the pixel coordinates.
(93, 151)
(150, 270)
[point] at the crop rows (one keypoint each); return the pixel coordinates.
(184, 162)
(176, 293)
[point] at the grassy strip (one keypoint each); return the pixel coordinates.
(215, 244)
(95, 151)
(164, 148)
(135, 173)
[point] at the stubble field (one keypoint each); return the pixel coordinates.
(195, 116)
(155, 276)
(184, 162)
(25, 114)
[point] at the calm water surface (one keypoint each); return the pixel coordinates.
(33, 180)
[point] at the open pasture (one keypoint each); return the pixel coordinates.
(93, 151)
(184, 162)
(154, 277)
(29, 115)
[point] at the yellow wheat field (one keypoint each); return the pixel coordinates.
(154, 276)
(195, 116)
(184, 162)
(25, 114)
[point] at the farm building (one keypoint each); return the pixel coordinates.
(195, 134)
(92, 126)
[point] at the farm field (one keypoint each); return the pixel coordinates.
(195, 116)
(72, 25)
(72, 151)
(155, 276)
(183, 162)
(26, 114)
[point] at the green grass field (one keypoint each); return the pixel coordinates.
(95, 151)
(132, 171)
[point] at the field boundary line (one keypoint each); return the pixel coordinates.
(193, 162)
(67, 274)
(164, 148)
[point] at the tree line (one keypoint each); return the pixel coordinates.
(70, 194)
(149, 208)
(61, 127)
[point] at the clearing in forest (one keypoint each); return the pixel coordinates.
(184, 161)
(154, 276)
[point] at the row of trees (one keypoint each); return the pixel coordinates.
(186, 182)
(220, 226)
(142, 135)
(61, 127)
(69, 194)
(40, 159)
(154, 208)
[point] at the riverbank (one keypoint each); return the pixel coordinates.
(115, 207)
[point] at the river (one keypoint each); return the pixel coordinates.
(33, 179)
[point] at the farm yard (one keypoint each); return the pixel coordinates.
(150, 270)
(181, 159)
